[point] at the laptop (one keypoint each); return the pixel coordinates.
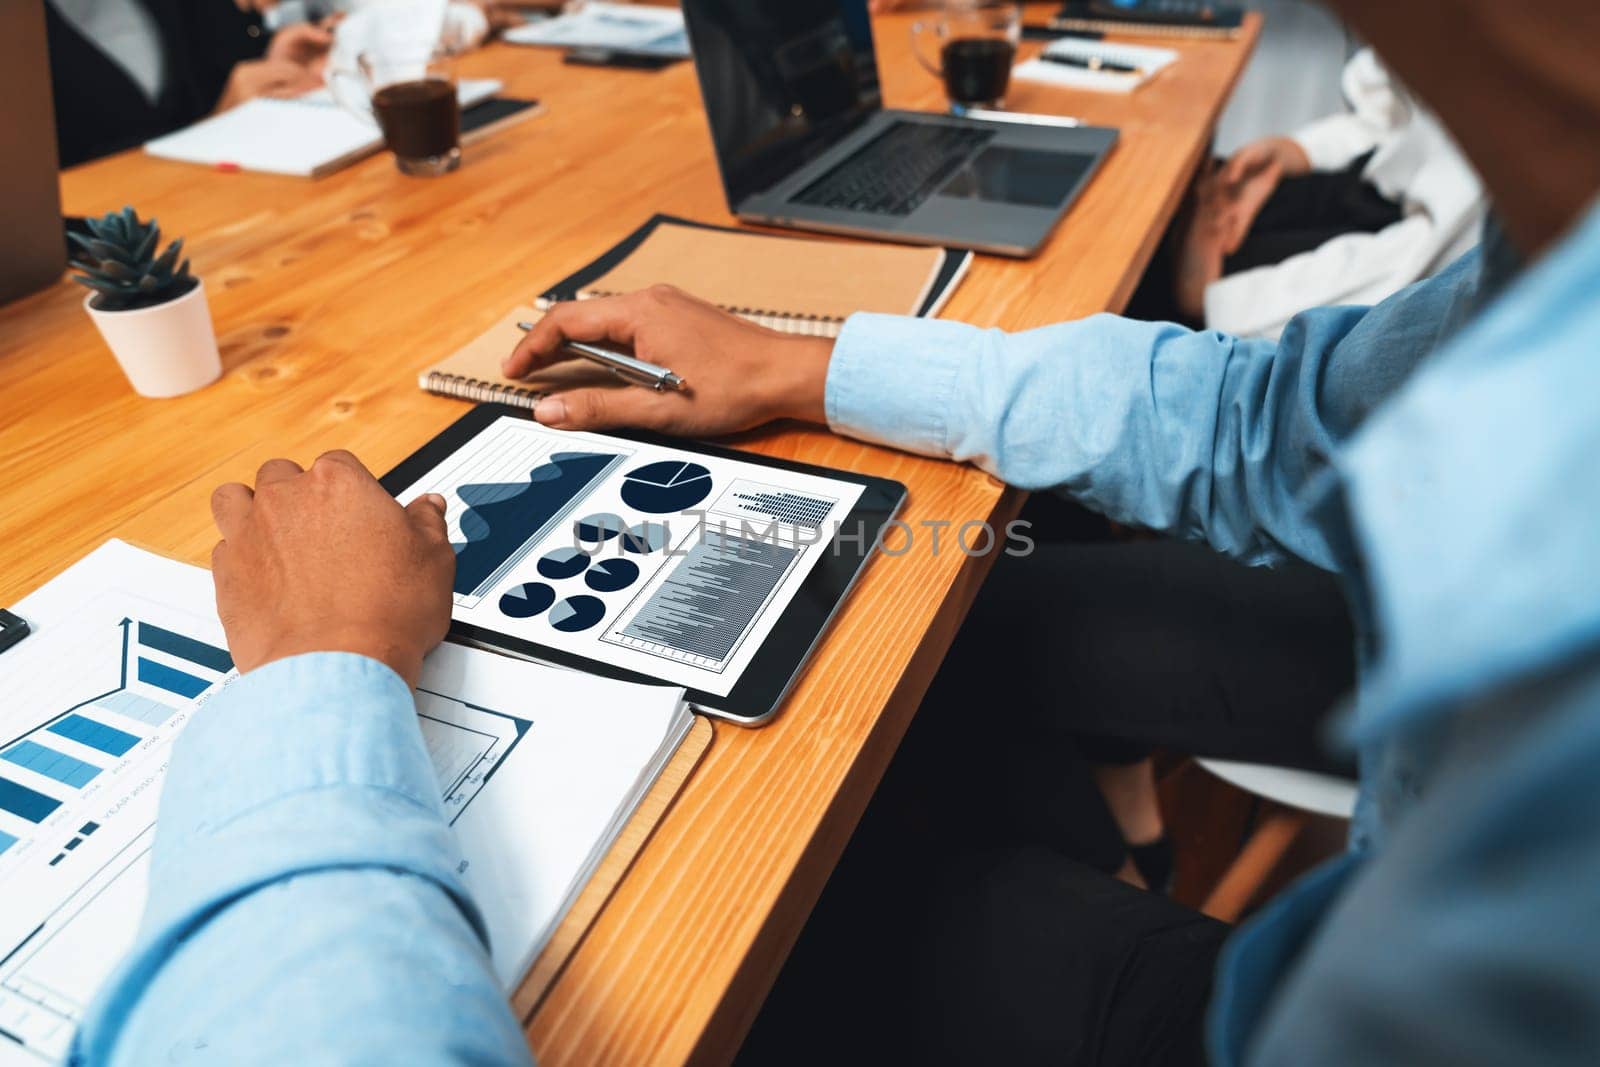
(30, 191)
(803, 140)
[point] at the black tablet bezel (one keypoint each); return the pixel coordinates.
(768, 677)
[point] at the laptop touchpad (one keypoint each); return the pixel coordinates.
(1025, 176)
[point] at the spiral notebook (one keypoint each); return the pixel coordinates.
(789, 284)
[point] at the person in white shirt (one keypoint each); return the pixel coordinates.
(1233, 273)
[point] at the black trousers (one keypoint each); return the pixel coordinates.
(1308, 211)
(972, 919)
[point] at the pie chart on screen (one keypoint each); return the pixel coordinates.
(610, 575)
(526, 601)
(577, 613)
(666, 487)
(563, 563)
(597, 529)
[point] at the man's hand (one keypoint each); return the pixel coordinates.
(740, 375)
(266, 77)
(325, 561)
(1241, 186)
(304, 44)
(1285, 152)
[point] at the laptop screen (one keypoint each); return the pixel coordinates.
(782, 80)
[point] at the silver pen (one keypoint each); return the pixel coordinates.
(1026, 118)
(625, 367)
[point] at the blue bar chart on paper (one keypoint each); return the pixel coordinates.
(159, 670)
(93, 701)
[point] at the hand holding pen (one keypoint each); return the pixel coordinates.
(743, 374)
(629, 369)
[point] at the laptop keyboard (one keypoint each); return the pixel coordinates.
(897, 170)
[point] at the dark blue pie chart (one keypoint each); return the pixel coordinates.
(609, 575)
(666, 487)
(645, 537)
(577, 613)
(598, 529)
(526, 601)
(562, 563)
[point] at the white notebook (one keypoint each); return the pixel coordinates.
(1149, 61)
(304, 137)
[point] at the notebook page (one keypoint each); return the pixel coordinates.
(275, 136)
(781, 277)
(303, 137)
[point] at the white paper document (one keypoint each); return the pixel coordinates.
(304, 137)
(671, 564)
(538, 770)
(1146, 60)
(616, 27)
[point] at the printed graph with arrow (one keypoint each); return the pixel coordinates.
(160, 671)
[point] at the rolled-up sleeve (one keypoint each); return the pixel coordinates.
(305, 903)
(1195, 433)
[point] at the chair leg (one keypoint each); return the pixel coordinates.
(1255, 863)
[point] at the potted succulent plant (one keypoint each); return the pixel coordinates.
(151, 311)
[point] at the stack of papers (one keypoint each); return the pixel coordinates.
(655, 31)
(538, 771)
(1146, 59)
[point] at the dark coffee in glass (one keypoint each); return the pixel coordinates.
(977, 41)
(977, 70)
(421, 121)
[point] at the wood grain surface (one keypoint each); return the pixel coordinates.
(329, 296)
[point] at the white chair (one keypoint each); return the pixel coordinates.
(1291, 797)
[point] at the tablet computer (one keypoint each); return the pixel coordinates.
(641, 557)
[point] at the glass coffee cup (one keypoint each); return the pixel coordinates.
(977, 42)
(411, 94)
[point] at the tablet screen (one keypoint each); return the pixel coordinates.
(670, 563)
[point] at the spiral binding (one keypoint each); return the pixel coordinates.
(784, 322)
(464, 388)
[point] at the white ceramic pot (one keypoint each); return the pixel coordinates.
(166, 350)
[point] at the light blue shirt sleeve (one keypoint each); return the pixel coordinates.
(1470, 933)
(1198, 434)
(1473, 940)
(305, 905)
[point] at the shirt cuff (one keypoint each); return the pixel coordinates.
(892, 380)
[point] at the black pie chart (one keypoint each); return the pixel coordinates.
(645, 537)
(666, 487)
(577, 613)
(562, 563)
(526, 601)
(598, 529)
(610, 575)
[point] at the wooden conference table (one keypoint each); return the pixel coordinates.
(329, 296)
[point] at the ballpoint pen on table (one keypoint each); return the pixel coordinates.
(1092, 63)
(625, 367)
